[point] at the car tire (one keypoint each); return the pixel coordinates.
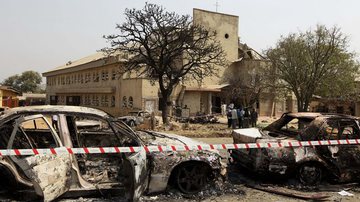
(310, 173)
(192, 177)
(132, 123)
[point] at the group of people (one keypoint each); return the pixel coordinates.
(241, 117)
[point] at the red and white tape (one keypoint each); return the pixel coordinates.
(150, 149)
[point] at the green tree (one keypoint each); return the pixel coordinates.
(166, 48)
(28, 81)
(314, 62)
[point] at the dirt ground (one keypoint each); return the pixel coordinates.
(210, 130)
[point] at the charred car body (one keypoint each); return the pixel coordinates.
(133, 174)
(135, 118)
(310, 164)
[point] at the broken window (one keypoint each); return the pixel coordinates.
(93, 132)
(34, 133)
(5, 132)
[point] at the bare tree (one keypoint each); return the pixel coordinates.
(315, 61)
(166, 48)
(248, 79)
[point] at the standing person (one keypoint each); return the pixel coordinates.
(240, 114)
(254, 117)
(55, 122)
(228, 115)
(234, 118)
(246, 120)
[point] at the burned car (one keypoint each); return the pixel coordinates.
(128, 174)
(135, 118)
(340, 163)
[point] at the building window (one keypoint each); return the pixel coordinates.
(112, 101)
(95, 100)
(67, 80)
(87, 77)
(96, 76)
(113, 74)
(104, 75)
(124, 104)
(87, 100)
(226, 36)
(104, 101)
(131, 102)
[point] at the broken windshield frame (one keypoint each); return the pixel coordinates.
(275, 128)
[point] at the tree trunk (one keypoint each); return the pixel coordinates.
(164, 112)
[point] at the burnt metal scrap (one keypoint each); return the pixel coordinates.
(311, 165)
(130, 175)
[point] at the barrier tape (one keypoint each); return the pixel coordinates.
(150, 149)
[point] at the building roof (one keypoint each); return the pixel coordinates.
(8, 88)
(32, 95)
(88, 59)
(92, 61)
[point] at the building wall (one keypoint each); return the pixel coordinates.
(97, 87)
(192, 101)
(224, 25)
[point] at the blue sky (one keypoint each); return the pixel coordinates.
(41, 34)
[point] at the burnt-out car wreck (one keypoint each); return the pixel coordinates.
(311, 165)
(128, 174)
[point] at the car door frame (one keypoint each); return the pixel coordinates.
(335, 153)
(36, 167)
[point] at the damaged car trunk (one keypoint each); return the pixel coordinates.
(310, 165)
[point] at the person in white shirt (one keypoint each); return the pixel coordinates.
(55, 122)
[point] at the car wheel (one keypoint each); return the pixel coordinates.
(192, 177)
(310, 173)
(132, 123)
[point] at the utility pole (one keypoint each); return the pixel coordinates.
(217, 5)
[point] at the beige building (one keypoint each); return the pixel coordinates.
(95, 81)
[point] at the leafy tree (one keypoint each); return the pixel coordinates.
(166, 48)
(28, 81)
(314, 62)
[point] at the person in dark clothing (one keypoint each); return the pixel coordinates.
(229, 117)
(254, 117)
(246, 120)
(240, 112)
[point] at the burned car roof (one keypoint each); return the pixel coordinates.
(52, 109)
(313, 115)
